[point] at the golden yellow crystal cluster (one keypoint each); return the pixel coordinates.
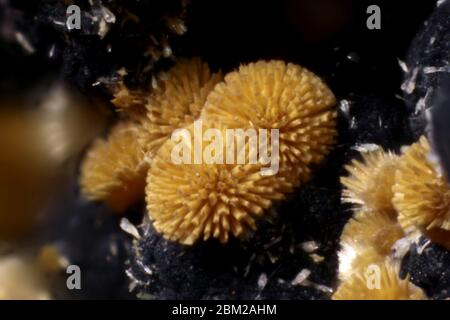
(394, 197)
(191, 202)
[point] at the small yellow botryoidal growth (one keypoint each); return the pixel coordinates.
(114, 169)
(189, 202)
(131, 102)
(175, 102)
(378, 281)
(367, 238)
(370, 181)
(421, 195)
(276, 95)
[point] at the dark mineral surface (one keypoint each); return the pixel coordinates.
(88, 236)
(427, 264)
(135, 35)
(427, 66)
